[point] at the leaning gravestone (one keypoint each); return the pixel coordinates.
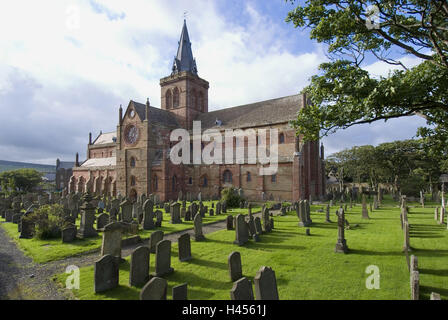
(235, 267)
(155, 238)
(241, 231)
(106, 273)
(139, 267)
(242, 290)
(111, 244)
(184, 247)
(180, 292)
(198, 235)
(163, 259)
(266, 284)
(155, 289)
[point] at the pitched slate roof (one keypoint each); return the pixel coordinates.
(261, 113)
(105, 138)
(155, 114)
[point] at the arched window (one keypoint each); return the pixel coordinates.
(281, 138)
(132, 181)
(201, 102)
(132, 162)
(194, 99)
(175, 98)
(155, 183)
(227, 176)
(168, 99)
(173, 183)
(190, 180)
(249, 178)
(274, 178)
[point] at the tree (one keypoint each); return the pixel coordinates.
(344, 94)
(24, 180)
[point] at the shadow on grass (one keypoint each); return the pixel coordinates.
(375, 253)
(443, 273)
(425, 291)
(430, 252)
(208, 263)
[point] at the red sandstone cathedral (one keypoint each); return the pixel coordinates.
(134, 159)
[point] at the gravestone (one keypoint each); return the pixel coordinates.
(126, 211)
(155, 238)
(265, 284)
(413, 263)
(139, 266)
(435, 296)
(218, 208)
(229, 222)
(365, 213)
(442, 215)
(102, 221)
(235, 267)
(180, 292)
(327, 214)
(251, 226)
(183, 212)
(163, 259)
(406, 244)
(241, 231)
(27, 228)
(188, 214)
(86, 229)
(175, 213)
(155, 289)
(148, 215)
(106, 273)
(341, 245)
(266, 220)
(198, 235)
(113, 214)
(211, 212)
(111, 244)
(184, 247)
(242, 290)
(258, 228)
(69, 234)
(436, 213)
(159, 218)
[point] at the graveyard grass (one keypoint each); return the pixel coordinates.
(306, 267)
(42, 251)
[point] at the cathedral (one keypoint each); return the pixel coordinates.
(135, 159)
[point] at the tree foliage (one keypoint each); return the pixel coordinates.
(344, 94)
(23, 180)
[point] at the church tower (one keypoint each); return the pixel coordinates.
(183, 92)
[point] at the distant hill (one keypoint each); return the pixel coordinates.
(13, 165)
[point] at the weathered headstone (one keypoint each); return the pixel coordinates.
(327, 214)
(229, 222)
(365, 213)
(180, 292)
(341, 245)
(175, 213)
(163, 259)
(155, 238)
(184, 247)
(258, 227)
(102, 220)
(198, 235)
(159, 218)
(155, 289)
(69, 234)
(266, 284)
(106, 273)
(111, 244)
(139, 266)
(415, 285)
(87, 219)
(235, 267)
(242, 290)
(241, 231)
(126, 211)
(148, 215)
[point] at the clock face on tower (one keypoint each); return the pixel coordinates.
(131, 134)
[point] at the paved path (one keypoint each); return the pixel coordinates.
(20, 278)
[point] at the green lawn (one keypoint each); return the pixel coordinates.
(49, 250)
(306, 266)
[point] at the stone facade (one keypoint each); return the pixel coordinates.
(134, 160)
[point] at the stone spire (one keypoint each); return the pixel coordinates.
(184, 60)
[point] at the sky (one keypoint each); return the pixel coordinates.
(66, 66)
